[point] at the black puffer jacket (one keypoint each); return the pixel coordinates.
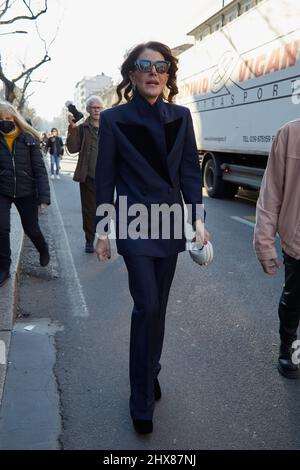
(22, 171)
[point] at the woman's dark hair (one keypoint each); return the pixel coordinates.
(54, 129)
(124, 89)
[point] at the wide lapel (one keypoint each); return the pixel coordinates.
(174, 132)
(143, 142)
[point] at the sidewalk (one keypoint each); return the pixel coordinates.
(8, 296)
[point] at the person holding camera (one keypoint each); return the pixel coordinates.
(83, 139)
(56, 147)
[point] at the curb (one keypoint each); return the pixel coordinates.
(8, 295)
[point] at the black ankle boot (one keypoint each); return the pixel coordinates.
(286, 366)
(157, 390)
(143, 426)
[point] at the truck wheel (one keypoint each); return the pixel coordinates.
(214, 184)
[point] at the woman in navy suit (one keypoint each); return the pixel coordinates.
(147, 152)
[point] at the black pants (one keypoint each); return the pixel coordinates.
(28, 210)
(289, 305)
(88, 207)
(150, 280)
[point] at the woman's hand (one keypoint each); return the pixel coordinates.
(43, 206)
(202, 235)
(103, 249)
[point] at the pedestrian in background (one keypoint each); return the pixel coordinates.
(56, 148)
(44, 141)
(23, 182)
(278, 211)
(83, 138)
(147, 150)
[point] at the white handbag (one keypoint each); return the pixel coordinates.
(202, 255)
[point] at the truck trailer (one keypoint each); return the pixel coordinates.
(242, 83)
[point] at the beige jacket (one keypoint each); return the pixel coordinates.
(278, 205)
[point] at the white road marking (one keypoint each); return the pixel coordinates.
(246, 222)
(2, 353)
(75, 290)
(243, 221)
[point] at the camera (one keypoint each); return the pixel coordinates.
(73, 110)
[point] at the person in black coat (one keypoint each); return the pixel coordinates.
(147, 151)
(23, 182)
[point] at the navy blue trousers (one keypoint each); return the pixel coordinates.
(150, 280)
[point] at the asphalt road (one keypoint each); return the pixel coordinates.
(220, 385)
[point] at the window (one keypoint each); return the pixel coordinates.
(231, 16)
(247, 6)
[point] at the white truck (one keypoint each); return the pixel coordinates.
(242, 83)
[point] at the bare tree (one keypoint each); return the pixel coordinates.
(31, 15)
(15, 89)
(18, 94)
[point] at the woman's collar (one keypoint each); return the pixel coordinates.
(144, 104)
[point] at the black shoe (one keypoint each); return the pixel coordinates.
(44, 258)
(157, 390)
(89, 247)
(4, 275)
(143, 426)
(286, 367)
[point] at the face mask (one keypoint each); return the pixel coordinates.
(7, 126)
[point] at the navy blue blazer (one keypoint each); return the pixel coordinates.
(149, 154)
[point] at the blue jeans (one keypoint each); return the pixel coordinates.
(56, 159)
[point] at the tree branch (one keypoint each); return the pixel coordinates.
(47, 46)
(9, 85)
(5, 6)
(33, 16)
(45, 59)
(28, 7)
(15, 88)
(3, 77)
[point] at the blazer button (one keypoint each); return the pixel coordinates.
(144, 193)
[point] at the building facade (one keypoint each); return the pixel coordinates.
(89, 86)
(229, 12)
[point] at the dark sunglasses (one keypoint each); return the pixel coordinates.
(143, 65)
